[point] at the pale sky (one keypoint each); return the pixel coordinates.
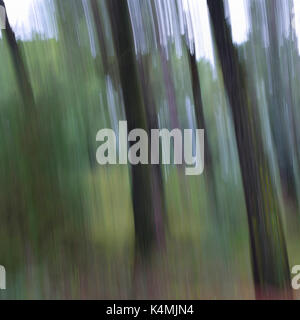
(22, 16)
(26, 16)
(23, 19)
(19, 14)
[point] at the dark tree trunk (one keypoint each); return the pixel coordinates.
(146, 236)
(268, 247)
(157, 185)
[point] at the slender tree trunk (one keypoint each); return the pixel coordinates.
(268, 248)
(278, 105)
(100, 34)
(157, 185)
(146, 236)
(200, 119)
(108, 67)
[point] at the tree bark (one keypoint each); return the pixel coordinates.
(268, 248)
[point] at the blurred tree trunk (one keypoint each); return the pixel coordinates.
(147, 237)
(157, 185)
(100, 34)
(279, 105)
(268, 248)
(107, 65)
(200, 119)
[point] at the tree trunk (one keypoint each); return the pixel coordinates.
(277, 106)
(100, 34)
(157, 185)
(200, 119)
(108, 67)
(268, 248)
(146, 236)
